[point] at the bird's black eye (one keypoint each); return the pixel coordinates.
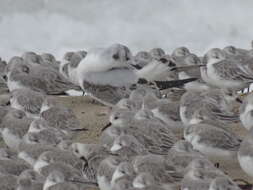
(115, 56)
(163, 60)
(5, 77)
(76, 151)
(116, 117)
(127, 58)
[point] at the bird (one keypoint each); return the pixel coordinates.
(106, 75)
(214, 142)
(245, 154)
(223, 183)
(38, 78)
(246, 112)
(28, 101)
(225, 73)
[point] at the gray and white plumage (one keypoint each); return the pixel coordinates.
(15, 124)
(56, 181)
(124, 169)
(8, 182)
(195, 179)
(31, 152)
(142, 58)
(223, 183)
(27, 100)
(32, 175)
(7, 154)
(159, 167)
(38, 78)
(245, 154)
(196, 107)
(57, 156)
(225, 73)
(45, 137)
(74, 62)
(189, 60)
(27, 184)
(13, 167)
(180, 52)
(182, 154)
(92, 155)
(106, 170)
(68, 171)
(104, 73)
(213, 141)
(157, 138)
(59, 117)
(157, 52)
(128, 146)
(246, 112)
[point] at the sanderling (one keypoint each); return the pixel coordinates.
(157, 53)
(15, 125)
(245, 154)
(246, 112)
(213, 141)
(27, 100)
(225, 73)
(57, 156)
(223, 183)
(105, 171)
(27, 184)
(38, 78)
(124, 169)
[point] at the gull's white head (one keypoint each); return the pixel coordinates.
(113, 57)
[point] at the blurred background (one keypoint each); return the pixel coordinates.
(57, 26)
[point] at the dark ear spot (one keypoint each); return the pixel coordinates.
(25, 69)
(172, 64)
(115, 56)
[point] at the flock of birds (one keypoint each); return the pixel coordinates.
(170, 120)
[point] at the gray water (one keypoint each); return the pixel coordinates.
(60, 25)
